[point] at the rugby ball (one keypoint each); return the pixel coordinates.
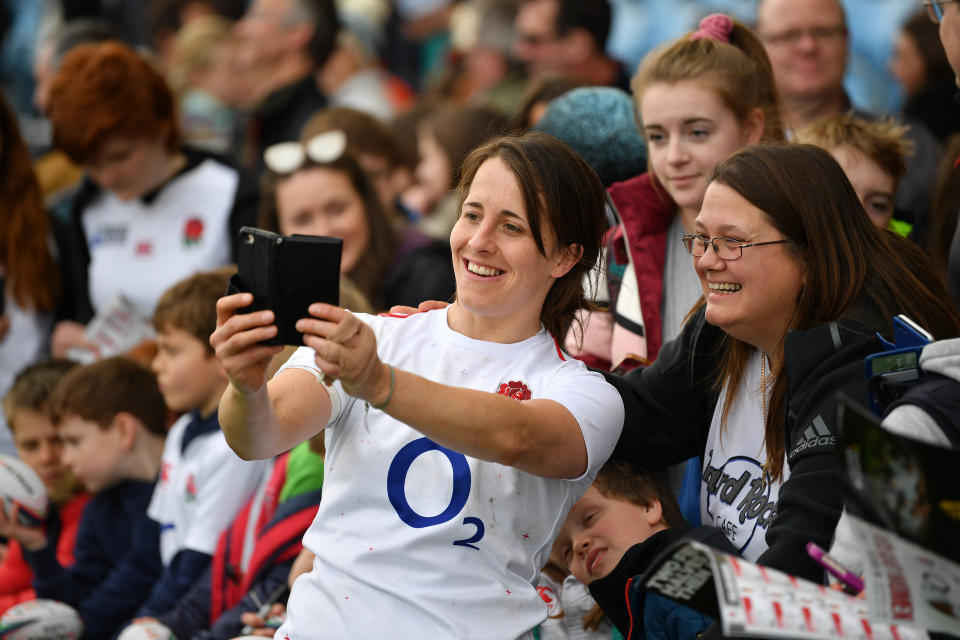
(20, 485)
(41, 620)
(146, 631)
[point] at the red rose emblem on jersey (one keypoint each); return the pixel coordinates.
(192, 232)
(514, 389)
(190, 494)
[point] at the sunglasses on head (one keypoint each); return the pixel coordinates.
(287, 157)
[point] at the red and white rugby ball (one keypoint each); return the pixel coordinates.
(20, 485)
(41, 620)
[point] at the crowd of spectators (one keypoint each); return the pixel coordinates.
(138, 137)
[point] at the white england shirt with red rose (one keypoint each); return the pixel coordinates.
(414, 540)
(140, 248)
(201, 488)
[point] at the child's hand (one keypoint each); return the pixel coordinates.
(236, 342)
(257, 626)
(30, 538)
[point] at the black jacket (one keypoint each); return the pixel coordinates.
(610, 591)
(669, 406)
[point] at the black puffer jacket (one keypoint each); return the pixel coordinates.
(669, 406)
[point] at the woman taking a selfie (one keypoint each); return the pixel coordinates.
(796, 283)
(457, 439)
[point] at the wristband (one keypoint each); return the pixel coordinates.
(393, 384)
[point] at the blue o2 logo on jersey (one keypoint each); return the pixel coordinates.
(396, 481)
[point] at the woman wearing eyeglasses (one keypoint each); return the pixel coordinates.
(456, 439)
(319, 187)
(796, 283)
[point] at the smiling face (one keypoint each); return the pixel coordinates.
(323, 202)
(189, 375)
(599, 530)
(502, 278)
(689, 131)
(752, 298)
(875, 187)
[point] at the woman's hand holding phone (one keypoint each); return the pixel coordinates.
(347, 350)
(236, 342)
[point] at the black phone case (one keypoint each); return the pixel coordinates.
(287, 274)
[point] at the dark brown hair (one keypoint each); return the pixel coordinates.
(98, 392)
(563, 197)
(106, 90)
(33, 387)
(846, 259)
(369, 271)
(365, 134)
(640, 486)
(33, 277)
(458, 129)
(191, 304)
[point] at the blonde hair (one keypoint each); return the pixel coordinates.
(883, 141)
(738, 70)
(195, 47)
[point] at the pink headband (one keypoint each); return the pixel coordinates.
(716, 26)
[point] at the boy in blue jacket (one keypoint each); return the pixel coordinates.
(111, 418)
(611, 537)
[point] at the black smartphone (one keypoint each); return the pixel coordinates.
(287, 274)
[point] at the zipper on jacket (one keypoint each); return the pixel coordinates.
(626, 594)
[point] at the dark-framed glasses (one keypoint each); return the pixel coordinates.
(725, 248)
(287, 157)
(935, 9)
(793, 36)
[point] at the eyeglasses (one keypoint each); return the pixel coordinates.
(935, 9)
(287, 157)
(725, 248)
(793, 36)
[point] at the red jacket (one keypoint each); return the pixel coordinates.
(16, 578)
(636, 256)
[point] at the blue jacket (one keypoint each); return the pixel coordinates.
(117, 560)
(638, 614)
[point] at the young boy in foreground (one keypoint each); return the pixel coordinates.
(610, 538)
(111, 418)
(27, 407)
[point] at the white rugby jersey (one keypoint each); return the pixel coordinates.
(140, 249)
(200, 490)
(417, 541)
(736, 495)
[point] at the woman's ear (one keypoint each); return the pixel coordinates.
(566, 258)
(754, 126)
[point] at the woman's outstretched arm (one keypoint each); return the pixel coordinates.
(261, 419)
(539, 436)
